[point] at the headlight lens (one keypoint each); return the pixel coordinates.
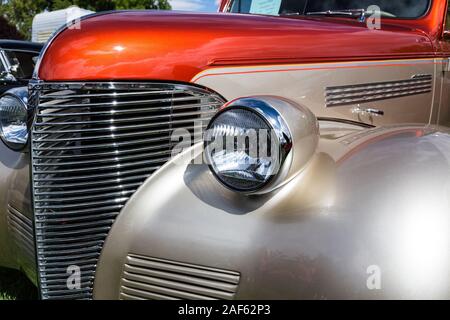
(246, 147)
(13, 122)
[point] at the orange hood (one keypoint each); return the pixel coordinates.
(150, 45)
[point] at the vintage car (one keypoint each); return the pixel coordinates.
(119, 192)
(17, 61)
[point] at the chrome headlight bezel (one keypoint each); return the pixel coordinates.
(277, 126)
(19, 95)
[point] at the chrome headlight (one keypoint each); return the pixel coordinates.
(13, 119)
(255, 144)
(246, 145)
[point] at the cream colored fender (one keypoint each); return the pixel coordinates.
(367, 218)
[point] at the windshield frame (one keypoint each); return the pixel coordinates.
(229, 5)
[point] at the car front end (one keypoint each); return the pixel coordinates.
(102, 201)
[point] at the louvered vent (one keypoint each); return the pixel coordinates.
(21, 230)
(93, 145)
(157, 279)
(354, 94)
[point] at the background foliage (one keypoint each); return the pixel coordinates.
(21, 12)
(8, 31)
(14, 285)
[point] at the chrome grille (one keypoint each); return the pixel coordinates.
(157, 279)
(93, 145)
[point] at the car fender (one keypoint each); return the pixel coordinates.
(368, 218)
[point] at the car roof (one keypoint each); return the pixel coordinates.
(20, 45)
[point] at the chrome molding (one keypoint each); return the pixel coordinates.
(354, 94)
(93, 145)
(156, 279)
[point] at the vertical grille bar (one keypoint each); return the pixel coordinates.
(93, 145)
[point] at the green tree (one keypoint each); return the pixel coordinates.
(8, 31)
(139, 4)
(21, 12)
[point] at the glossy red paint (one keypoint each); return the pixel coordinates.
(177, 46)
(432, 23)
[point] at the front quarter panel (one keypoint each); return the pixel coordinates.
(16, 235)
(370, 202)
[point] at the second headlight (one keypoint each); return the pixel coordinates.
(13, 120)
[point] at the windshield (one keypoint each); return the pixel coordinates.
(22, 63)
(406, 9)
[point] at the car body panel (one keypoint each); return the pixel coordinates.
(101, 51)
(314, 238)
(432, 23)
(318, 235)
(15, 193)
(16, 220)
(16, 214)
(307, 84)
(234, 55)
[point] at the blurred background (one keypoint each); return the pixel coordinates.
(36, 20)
